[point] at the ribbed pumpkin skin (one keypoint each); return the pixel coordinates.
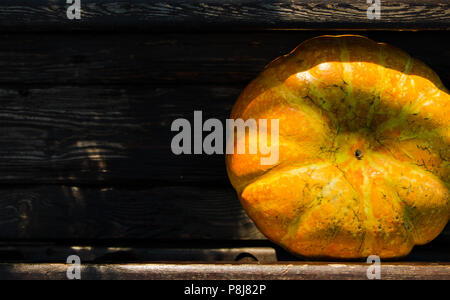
(334, 95)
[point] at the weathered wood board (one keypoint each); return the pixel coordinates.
(204, 15)
(53, 212)
(237, 271)
(157, 59)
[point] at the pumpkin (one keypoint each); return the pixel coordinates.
(363, 167)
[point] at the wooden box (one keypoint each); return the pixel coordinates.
(86, 107)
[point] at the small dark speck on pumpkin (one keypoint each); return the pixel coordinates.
(358, 154)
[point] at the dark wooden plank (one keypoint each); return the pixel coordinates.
(191, 271)
(114, 135)
(143, 250)
(139, 58)
(34, 15)
(134, 252)
(162, 59)
(87, 213)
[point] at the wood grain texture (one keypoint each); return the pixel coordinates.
(180, 251)
(106, 135)
(89, 213)
(141, 250)
(192, 271)
(173, 59)
(39, 15)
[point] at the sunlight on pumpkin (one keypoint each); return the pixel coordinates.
(360, 123)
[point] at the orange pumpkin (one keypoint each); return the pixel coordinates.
(364, 134)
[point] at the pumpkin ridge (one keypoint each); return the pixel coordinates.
(347, 77)
(408, 224)
(395, 186)
(422, 166)
(367, 191)
(296, 224)
(364, 241)
(366, 213)
(289, 166)
(368, 245)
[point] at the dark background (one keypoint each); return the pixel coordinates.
(86, 107)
